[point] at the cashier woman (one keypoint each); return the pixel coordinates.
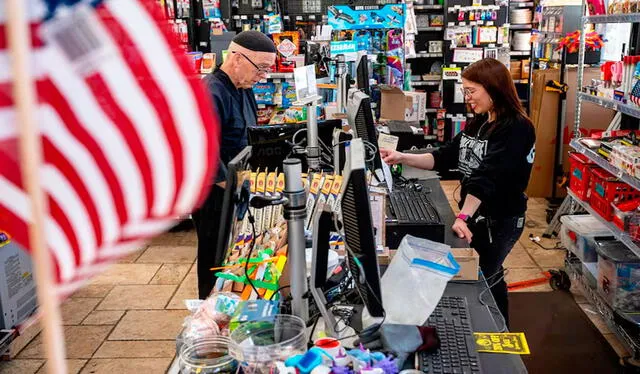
(251, 56)
(495, 154)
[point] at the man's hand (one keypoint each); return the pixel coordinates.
(462, 230)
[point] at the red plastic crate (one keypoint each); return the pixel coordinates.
(580, 174)
(607, 189)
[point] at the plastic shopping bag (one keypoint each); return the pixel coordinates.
(415, 280)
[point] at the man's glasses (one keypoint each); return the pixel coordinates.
(261, 70)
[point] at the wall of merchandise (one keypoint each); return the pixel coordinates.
(419, 46)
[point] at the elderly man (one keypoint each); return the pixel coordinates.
(251, 56)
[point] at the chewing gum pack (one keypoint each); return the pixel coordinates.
(268, 211)
(314, 189)
(261, 186)
(278, 209)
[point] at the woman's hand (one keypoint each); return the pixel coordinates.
(462, 230)
(391, 157)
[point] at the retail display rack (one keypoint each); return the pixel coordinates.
(625, 325)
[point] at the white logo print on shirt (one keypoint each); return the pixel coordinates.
(472, 151)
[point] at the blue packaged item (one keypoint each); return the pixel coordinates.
(288, 95)
(264, 93)
(363, 41)
(378, 41)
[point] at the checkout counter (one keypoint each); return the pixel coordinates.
(482, 315)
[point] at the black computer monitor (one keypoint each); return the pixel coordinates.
(361, 121)
(362, 75)
(236, 202)
(359, 236)
(272, 144)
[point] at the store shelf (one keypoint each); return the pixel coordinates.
(615, 230)
(527, 4)
(613, 18)
(520, 53)
(280, 76)
(426, 55)
(593, 156)
(574, 269)
(520, 27)
(428, 7)
(630, 110)
(433, 28)
(425, 83)
(432, 110)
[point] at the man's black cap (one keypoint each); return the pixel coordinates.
(255, 41)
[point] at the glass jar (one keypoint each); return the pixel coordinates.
(207, 356)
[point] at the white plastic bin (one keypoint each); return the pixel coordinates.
(618, 275)
(578, 235)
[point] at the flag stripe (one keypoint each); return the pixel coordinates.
(158, 57)
(156, 98)
(55, 157)
(54, 97)
(61, 250)
(89, 176)
(58, 215)
(61, 190)
(123, 124)
(103, 131)
(36, 41)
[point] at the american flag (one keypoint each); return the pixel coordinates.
(128, 134)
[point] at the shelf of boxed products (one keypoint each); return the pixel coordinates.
(576, 271)
(520, 26)
(427, 7)
(615, 230)
(613, 18)
(631, 110)
(593, 156)
(521, 4)
(279, 75)
(431, 28)
(426, 55)
(425, 83)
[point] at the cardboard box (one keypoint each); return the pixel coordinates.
(544, 115)
(402, 105)
(469, 262)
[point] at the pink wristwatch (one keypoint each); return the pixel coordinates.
(464, 217)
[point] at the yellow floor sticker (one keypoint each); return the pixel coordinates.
(513, 343)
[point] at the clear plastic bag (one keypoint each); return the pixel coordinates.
(415, 280)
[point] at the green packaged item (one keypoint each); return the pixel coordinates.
(254, 310)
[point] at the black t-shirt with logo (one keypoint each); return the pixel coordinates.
(495, 159)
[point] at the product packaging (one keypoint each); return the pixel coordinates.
(287, 44)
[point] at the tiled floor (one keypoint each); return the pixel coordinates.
(126, 320)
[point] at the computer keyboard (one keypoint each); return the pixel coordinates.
(457, 353)
(413, 207)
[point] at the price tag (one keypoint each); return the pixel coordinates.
(261, 106)
(243, 17)
(256, 16)
(298, 18)
(480, 23)
(463, 23)
(312, 17)
(451, 24)
(491, 46)
(490, 23)
(277, 80)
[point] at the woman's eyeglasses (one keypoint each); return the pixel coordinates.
(467, 92)
(261, 70)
